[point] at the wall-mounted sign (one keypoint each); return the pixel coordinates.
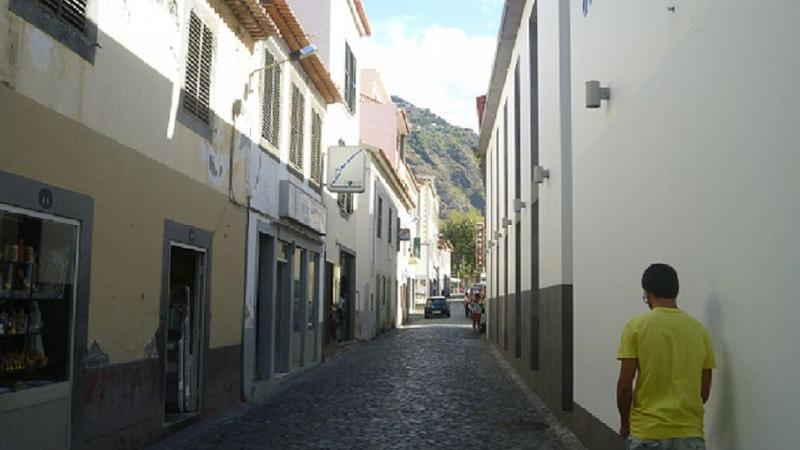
(299, 206)
(404, 234)
(346, 169)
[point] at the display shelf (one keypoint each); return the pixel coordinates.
(13, 335)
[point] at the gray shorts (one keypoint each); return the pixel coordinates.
(690, 443)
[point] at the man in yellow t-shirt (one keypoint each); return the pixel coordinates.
(671, 356)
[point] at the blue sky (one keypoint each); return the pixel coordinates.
(476, 17)
(436, 54)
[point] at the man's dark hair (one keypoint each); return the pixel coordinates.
(660, 280)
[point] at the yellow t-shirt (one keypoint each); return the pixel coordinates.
(673, 349)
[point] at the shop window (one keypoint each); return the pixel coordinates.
(37, 288)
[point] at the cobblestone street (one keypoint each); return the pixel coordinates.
(433, 384)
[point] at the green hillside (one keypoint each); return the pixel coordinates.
(447, 152)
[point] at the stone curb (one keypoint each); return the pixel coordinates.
(565, 436)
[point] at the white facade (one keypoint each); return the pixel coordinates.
(690, 162)
(428, 238)
(336, 25)
(276, 183)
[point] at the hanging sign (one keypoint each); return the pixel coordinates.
(346, 169)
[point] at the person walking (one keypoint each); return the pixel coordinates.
(475, 308)
(671, 356)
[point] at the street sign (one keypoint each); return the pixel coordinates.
(346, 169)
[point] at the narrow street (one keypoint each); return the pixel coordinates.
(432, 384)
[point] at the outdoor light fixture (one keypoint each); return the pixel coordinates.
(519, 205)
(507, 222)
(595, 94)
(497, 235)
(297, 55)
(539, 174)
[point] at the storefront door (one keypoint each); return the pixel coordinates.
(185, 332)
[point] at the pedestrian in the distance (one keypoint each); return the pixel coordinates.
(671, 356)
(475, 308)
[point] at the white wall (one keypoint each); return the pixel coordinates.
(141, 65)
(693, 162)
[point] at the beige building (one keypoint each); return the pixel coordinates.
(124, 211)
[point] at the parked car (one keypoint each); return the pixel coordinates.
(436, 306)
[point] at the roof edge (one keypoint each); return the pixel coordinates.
(506, 40)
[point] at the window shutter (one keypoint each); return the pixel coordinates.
(71, 12)
(353, 76)
(197, 84)
(271, 104)
(316, 148)
(296, 141)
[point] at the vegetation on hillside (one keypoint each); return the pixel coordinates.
(448, 153)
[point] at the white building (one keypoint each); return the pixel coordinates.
(281, 134)
(426, 243)
(690, 162)
(338, 27)
(384, 126)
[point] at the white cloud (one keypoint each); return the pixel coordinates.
(435, 67)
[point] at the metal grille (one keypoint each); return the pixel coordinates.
(316, 148)
(296, 135)
(71, 12)
(197, 85)
(271, 105)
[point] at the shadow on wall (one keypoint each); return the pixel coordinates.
(722, 433)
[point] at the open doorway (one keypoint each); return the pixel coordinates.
(185, 333)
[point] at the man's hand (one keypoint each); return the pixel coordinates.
(624, 430)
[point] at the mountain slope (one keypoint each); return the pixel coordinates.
(446, 152)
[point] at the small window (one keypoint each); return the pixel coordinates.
(389, 234)
(398, 238)
(345, 202)
(197, 84)
(316, 148)
(63, 20)
(271, 105)
(350, 76)
(296, 134)
(380, 216)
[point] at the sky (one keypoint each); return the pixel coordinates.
(436, 54)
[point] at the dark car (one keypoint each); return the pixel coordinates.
(437, 306)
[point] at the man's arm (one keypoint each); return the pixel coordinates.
(705, 390)
(627, 372)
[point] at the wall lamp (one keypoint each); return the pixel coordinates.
(519, 205)
(539, 174)
(297, 55)
(507, 222)
(595, 94)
